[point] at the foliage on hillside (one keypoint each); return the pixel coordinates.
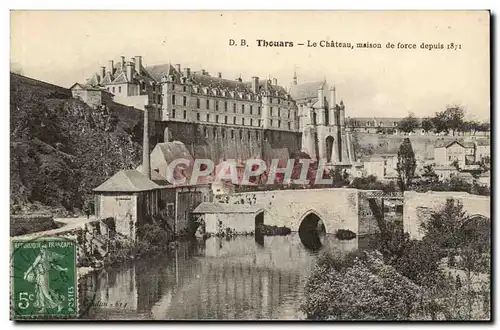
(61, 149)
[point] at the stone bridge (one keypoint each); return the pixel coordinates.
(337, 208)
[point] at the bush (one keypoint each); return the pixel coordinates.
(267, 230)
(353, 287)
(343, 234)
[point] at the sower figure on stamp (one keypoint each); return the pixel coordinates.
(38, 273)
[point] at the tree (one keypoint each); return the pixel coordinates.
(484, 127)
(429, 174)
(443, 227)
(454, 118)
(470, 126)
(427, 125)
(408, 124)
(439, 122)
(407, 164)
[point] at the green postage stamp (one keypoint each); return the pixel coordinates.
(44, 278)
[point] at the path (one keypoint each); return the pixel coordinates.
(69, 224)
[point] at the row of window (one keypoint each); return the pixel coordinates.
(371, 123)
(225, 107)
(251, 122)
(232, 133)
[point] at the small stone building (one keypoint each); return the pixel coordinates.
(130, 198)
(241, 218)
(93, 96)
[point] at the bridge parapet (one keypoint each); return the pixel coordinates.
(338, 208)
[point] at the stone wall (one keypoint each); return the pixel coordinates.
(240, 223)
(217, 142)
(367, 221)
(418, 207)
(338, 208)
(30, 223)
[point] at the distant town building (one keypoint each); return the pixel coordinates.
(445, 153)
(383, 166)
(483, 149)
(91, 95)
(374, 166)
(445, 172)
(382, 125)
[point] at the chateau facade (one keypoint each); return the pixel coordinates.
(180, 95)
(224, 118)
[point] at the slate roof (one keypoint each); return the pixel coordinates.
(306, 90)
(214, 207)
(118, 76)
(155, 177)
(174, 150)
(127, 181)
(157, 72)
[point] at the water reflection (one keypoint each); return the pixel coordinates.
(244, 278)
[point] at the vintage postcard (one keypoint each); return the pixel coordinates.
(250, 165)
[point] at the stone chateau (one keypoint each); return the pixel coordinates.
(226, 118)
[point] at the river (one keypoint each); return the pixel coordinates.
(243, 278)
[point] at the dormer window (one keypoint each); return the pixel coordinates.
(195, 88)
(214, 91)
(240, 94)
(205, 90)
(224, 93)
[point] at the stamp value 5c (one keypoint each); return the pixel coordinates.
(44, 278)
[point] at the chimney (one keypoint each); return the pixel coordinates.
(187, 72)
(178, 68)
(295, 78)
(219, 75)
(123, 63)
(130, 71)
(255, 85)
(111, 66)
(275, 82)
(138, 63)
(203, 72)
(321, 97)
(239, 79)
(146, 166)
(103, 71)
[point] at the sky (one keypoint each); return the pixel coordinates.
(63, 47)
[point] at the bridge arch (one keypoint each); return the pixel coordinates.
(311, 229)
